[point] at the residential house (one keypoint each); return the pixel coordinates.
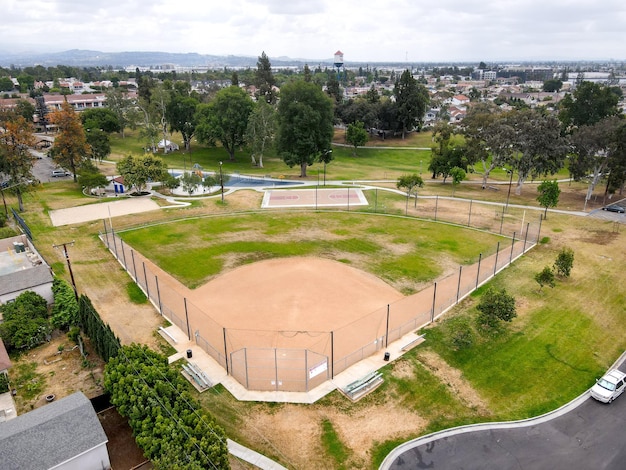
(23, 269)
(62, 435)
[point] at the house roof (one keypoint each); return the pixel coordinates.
(5, 362)
(25, 279)
(50, 435)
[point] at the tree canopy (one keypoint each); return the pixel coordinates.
(305, 124)
(225, 119)
(70, 147)
(411, 101)
(16, 162)
(137, 171)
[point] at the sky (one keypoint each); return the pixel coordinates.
(364, 30)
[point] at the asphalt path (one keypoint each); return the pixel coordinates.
(584, 434)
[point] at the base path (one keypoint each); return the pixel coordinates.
(316, 197)
(104, 210)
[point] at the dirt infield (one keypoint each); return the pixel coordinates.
(292, 294)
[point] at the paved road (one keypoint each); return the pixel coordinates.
(589, 435)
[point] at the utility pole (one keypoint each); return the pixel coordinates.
(69, 265)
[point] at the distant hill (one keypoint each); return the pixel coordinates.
(85, 58)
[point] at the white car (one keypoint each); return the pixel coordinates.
(609, 387)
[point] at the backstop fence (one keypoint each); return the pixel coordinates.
(299, 361)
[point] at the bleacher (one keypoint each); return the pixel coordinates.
(361, 387)
(193, 373)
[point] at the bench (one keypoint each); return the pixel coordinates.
(412, 343)
(197, 375)
(166, 333)
(358, 388)
(493, 188)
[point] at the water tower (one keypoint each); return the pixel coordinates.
(338, 63)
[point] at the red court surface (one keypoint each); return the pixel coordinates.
(315, 197)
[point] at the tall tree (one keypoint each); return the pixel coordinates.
(333, 89)
(104, 119)
(16, 162)
(593, 145)
(225, 119)
(487, 136)
(305, 124)
(70, 147)
(538, 147)
(181, 115)
(411, 100)
(99, 144)
(264, 80)
(261, 132)
(123, 108)
(356, 135)
(588, 104)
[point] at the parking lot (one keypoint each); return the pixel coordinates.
(43, 167)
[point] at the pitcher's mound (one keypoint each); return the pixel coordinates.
(293, 294)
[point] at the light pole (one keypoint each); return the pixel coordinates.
(222, 182)
(326, 157)
(69, 265)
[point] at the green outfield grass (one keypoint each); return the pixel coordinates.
(403, 252)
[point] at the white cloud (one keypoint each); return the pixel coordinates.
(364, 30)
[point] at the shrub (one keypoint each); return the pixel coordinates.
(545, 277)
(564, 262)
(494, 307)
(65, 308)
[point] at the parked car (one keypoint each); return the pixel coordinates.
(59, 173)
(614, 208)
(609, 387)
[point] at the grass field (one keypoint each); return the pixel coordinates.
(405, 253)
(562, 339)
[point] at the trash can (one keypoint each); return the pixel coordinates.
(386, 356)
(189, 353)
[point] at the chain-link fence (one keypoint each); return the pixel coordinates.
(301, 360)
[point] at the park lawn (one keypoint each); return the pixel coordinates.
(370, 163)
(404, 252)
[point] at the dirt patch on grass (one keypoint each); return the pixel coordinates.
(61, 373)
(297, 431)
(453, 378)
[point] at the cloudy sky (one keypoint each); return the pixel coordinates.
(365, 30)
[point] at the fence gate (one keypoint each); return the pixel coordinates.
(274, 369)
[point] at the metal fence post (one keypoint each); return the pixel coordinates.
(145, 277)
(436, 205)
(495, 266)
(132, 254)
(186, 317)
(332, 355)
(458, 287)
(469, 217)
(123, 252)
(156, 280)
(526, 237)
(387, 328)
(512, 245)
(480, 257)
(432, 313)
(226, 351)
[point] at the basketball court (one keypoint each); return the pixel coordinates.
(315, 197)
